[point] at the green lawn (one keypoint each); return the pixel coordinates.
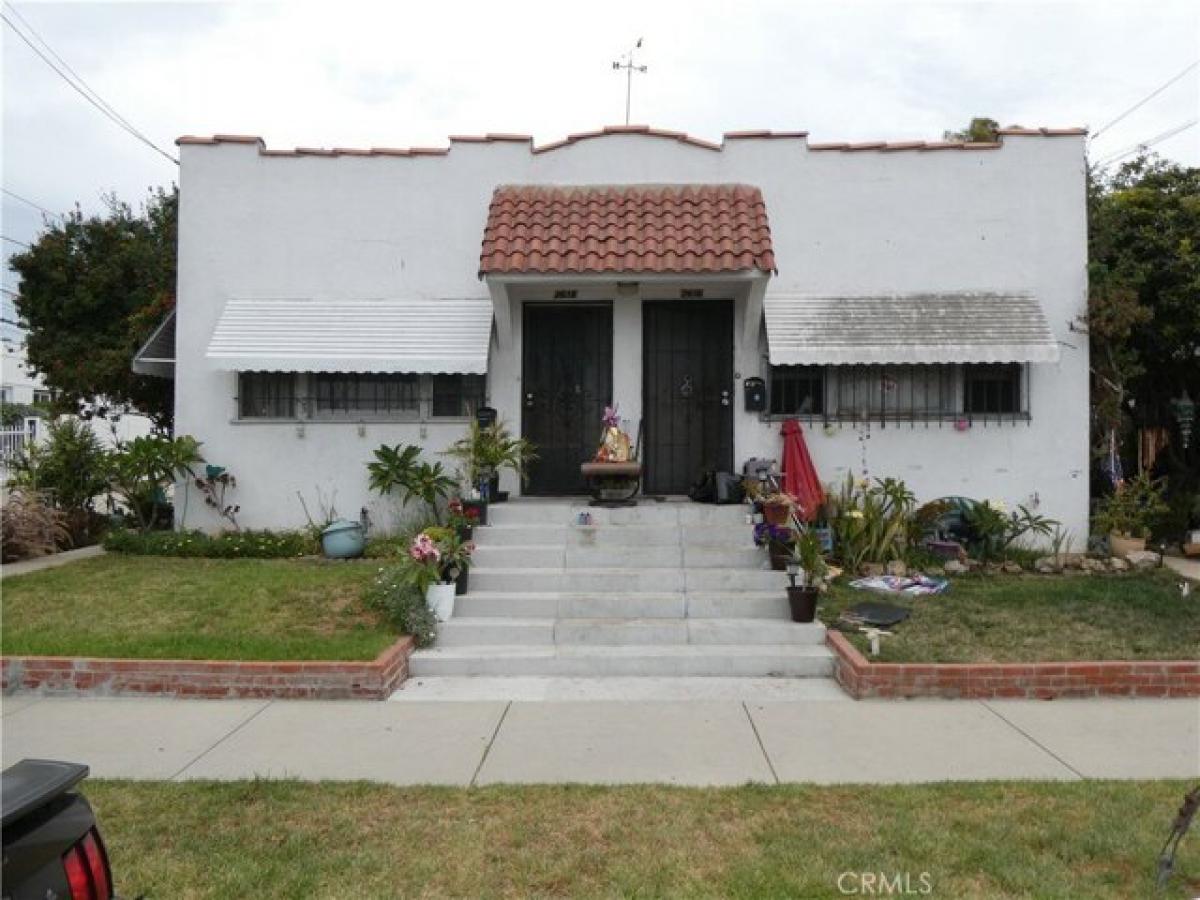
(163, 608)
(289, 839)
(1031, 618)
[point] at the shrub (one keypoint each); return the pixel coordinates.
(1133, 509)
(197, 544)
(395, 594)
(71, 465)
(400, 468)
(997, 529)
(871, 523)
(31, 526)
(141, 470)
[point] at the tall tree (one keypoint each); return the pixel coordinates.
(92, 290)
(981, 130)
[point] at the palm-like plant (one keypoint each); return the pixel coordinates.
(486, 449)
(401, 469)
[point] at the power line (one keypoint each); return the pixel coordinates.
(1143, 101)
(17, 196)
(14, 241)
(83, 91)
(1144, 145)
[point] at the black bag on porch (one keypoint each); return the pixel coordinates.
(704, 490)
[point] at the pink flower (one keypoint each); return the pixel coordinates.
(612, 418)
(423, 549)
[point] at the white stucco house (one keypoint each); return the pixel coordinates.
(909, 303)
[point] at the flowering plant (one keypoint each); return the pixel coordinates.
(461, 516)
(454, 554)
(612, 418)
(765, 533)
(424, 561)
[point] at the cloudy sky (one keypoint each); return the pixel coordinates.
(410, 73)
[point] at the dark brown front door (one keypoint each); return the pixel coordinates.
(566, 382)
(688, 392)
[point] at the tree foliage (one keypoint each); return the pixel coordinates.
(92, 290)
(981, 130)
(1144, 300)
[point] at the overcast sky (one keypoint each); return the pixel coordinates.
(411, 73)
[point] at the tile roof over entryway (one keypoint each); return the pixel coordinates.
(680, 228)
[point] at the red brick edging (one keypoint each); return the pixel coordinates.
(313, 680)
(985, 681)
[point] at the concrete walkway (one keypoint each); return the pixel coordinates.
(52, 561)
(1188, 568)
(698, 742)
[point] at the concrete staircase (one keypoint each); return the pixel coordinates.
(661, 589)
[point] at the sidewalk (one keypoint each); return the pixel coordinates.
(53, 561)
(717, 742)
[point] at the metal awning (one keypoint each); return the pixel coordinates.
(157, 356)
(913, 328)
(376, 335)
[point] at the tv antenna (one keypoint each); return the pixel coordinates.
(630, 66)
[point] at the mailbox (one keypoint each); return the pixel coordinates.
(755, 395)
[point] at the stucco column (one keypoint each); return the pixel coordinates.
(627, 359)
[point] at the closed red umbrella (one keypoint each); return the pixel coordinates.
(799, 475)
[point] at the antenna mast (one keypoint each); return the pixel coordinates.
(630, 66)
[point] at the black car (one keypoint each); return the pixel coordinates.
(52, 844)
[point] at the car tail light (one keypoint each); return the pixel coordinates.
(97, 859)
(79, 879)
(86, 865)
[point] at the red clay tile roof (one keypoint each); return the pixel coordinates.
(692, 228)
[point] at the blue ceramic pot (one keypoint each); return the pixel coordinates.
(343, 539)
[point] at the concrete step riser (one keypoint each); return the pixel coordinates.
(734, 580)
(617, 582)
(643, 514)
(475, 632)
(735, 537)
(715, 664)
(627, 606)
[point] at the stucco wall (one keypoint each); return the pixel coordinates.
(1010, 219)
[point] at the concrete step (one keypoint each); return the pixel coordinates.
(737, 536)
(630, 605)
(759, 660)
(491, 630)
(534, 688)
(485, 579)
(537, 512)
(617, 557)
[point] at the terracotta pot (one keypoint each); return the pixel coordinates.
(1120, 544)
(803, 601)
(777, 513)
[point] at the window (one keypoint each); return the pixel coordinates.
(895, 392)
(797, 390)
(43, 397)
(340, 396)
(992, 389)
(457, 395)
(266, 395)
(365, 395)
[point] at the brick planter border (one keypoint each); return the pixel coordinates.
(313, 680)
(991, 681)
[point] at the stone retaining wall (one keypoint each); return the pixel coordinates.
(989, 681)
(373, 680)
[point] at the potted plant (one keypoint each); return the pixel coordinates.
(806, 568)
(425, 572)
(777, 508)
(485, 451)
(778, 541)
(1127, 515)
(463, 516)
(455, 557)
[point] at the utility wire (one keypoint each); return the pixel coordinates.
(1143, 145)
(1095, 134)
(66, 65)
(98, 103)
(17, 196)
(13, 240)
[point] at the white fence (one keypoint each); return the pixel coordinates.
(13, 440)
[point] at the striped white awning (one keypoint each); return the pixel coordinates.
(377, 335)
(913, 328)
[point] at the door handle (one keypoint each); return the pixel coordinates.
(529, 399)
(725, 398)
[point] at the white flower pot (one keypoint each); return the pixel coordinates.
(440, 598)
